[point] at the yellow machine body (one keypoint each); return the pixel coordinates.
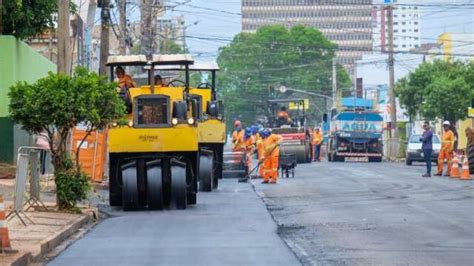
(179, 138)
(211, 130)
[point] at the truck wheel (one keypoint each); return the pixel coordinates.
(375, 159)
(408, 162)
(470, 158)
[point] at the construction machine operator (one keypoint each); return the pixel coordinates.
(125, 81)
(283, 117)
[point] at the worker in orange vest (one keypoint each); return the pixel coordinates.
(271, 154)
(317, 141)
(283, 117)
(259, 143)
(446, 152)
(249, 144)
(238, 137)
(125, 81)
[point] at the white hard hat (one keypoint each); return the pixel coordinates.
(446, 123)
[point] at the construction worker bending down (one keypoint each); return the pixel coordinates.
(317, 141)
(238, 137)
(446, 152)
(249, 144)
(271, 153)
(125, 81)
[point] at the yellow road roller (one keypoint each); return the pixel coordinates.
(211, 128)
(211, 124)
(154, 154)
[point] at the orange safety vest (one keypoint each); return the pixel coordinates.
(259, 142)
(270, 146)
(317, 138)
(283, 114)
(447, 143)
(249, 143)
(127, 81)
(238, 140)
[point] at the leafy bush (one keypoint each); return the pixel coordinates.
(72, 186)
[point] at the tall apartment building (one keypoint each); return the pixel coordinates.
(172, 28)
(346, 22)
(406, 26)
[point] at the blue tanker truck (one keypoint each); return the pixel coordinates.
(355, 133)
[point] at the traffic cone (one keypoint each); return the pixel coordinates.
(465, 175)
(5, 246)
(455, 167)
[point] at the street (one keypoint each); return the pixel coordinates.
(330, 214)
(373, 214)
(227, 227)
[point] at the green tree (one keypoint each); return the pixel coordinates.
(25, 18)
(438, 90)
(56, 104)
(254, 64)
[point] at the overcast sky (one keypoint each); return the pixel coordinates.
(219, 20)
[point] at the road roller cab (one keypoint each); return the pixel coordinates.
(295, 133)
(154, 153)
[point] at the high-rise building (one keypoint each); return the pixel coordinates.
(346, 22)
(172, 28)
(406, 25)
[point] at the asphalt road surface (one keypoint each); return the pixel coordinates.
(373, 214)
(227, 227)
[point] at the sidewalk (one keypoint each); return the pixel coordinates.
(49, 230)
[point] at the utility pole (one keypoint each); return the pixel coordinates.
(122, 6)
(391, 87)
(104, 36)
(63, 37)
(334, 83)
(146, 30)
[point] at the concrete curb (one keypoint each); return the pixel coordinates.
(55, 240)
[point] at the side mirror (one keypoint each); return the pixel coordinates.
(220, 110)
(179, 110)
(195, 109)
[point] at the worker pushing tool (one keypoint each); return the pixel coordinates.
(238, 137)
(271, 153)
(249, 144)
(446, 152)
(259, 143)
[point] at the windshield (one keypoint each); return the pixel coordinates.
(416, 139)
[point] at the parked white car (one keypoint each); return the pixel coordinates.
(414, 152)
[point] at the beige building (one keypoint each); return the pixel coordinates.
(346, 22)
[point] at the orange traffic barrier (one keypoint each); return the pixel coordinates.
(465, 175)
(92, 156)
(5, 246)
(455, 167)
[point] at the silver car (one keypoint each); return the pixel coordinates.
(414, 152)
